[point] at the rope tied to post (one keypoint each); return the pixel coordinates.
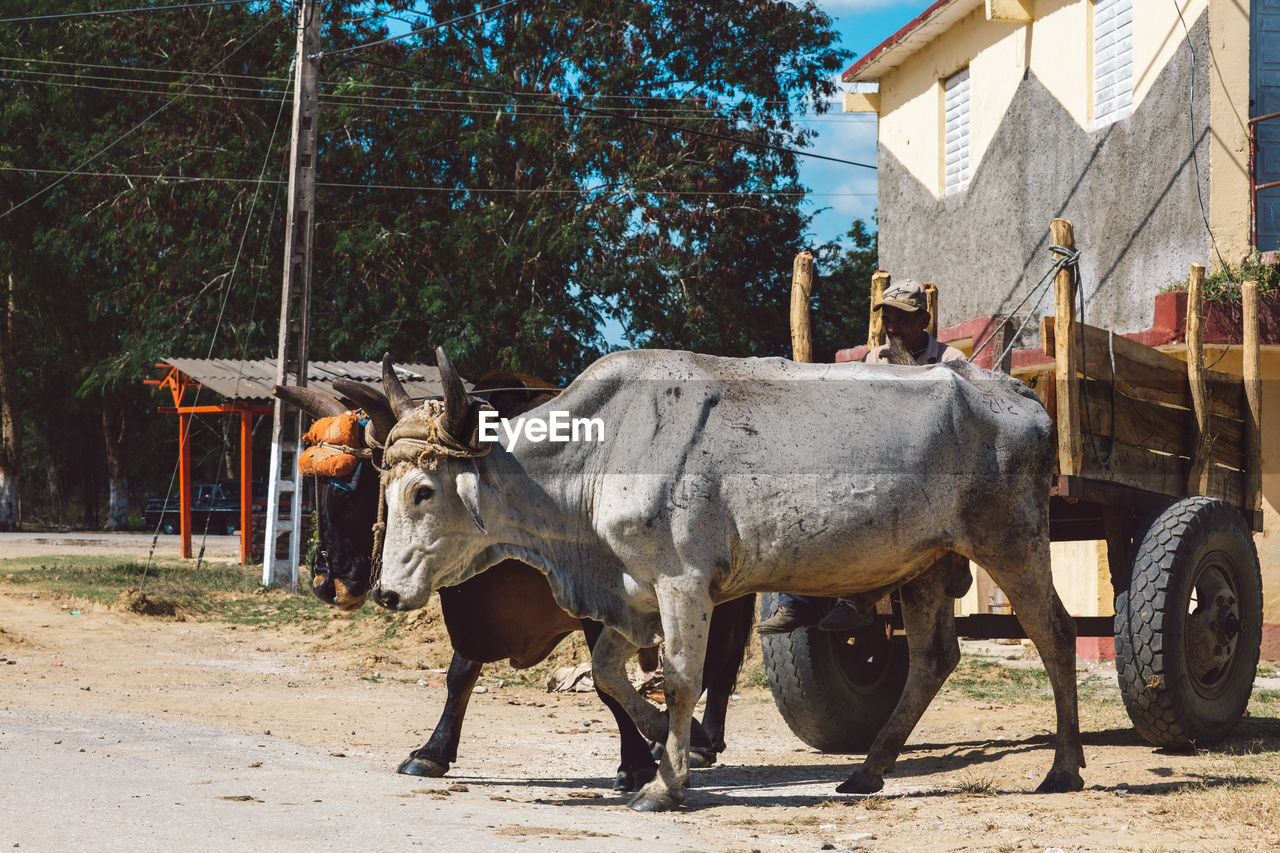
(1064, 258)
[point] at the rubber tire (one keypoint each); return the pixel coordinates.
(1168, 708)
(168, 528)
(825, 703)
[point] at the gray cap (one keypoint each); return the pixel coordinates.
(905, 295)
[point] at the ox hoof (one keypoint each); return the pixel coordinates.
(634, 780)
(861, 782)
(649, 800)
(1061, 782)
(701, 756)
(415, 766)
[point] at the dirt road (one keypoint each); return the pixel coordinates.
(120, 731)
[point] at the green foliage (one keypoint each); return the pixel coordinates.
(842, 300)
(1223, 284)
(500, 186)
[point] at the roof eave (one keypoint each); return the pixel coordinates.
(923, 29)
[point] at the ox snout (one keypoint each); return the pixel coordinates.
(338, 593)
(387, 599)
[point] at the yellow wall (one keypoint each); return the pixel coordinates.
(1229, 115)
(1057, 45)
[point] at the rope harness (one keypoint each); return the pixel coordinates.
(418, 438)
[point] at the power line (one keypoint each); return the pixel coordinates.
(123, 11)
(661, 125)
(46, 188)
(246, 93)
(623, 189)
(458, 87)
(414, 32)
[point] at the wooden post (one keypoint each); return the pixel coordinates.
(184, 483)
(246, 488)
(875, 329)
(931, 303)
(1068, 355)
(1198, 475)
(801, 290)
(1253, 398)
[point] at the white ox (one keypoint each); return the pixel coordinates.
(719, 477)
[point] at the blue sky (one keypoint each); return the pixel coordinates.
(839, 193)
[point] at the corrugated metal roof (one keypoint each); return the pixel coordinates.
(252, 381)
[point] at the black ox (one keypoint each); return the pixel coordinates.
(507, 612)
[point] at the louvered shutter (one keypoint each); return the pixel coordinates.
(1112, 60)
(956, 123)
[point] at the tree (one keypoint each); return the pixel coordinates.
(590, 161)
(501, 185)
(842, 300)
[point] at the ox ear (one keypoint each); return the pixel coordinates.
(400, 402)
(455, 397)
(315, 403)
(468, 485)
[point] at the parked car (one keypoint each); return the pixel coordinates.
(213, 503)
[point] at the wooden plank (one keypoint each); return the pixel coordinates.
(875, 329)
(1146, 373)
(1166, 475)
(1148, 425)
(801, 290)
(1198, 475)
(1068, 391)
(1253, 397)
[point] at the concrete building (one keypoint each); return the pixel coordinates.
(1133, 119)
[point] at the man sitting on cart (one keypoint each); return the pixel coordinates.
(905, 315)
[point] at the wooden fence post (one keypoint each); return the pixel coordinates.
(1253, 398)
(1198, 474)
(801, 290)
(875, 329)
(1068, 355)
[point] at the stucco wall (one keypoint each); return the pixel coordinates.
(1130, 188)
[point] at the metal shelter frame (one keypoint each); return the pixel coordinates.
(178, 382)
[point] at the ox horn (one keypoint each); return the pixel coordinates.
(399, 398)
(455, 396)
(315, 403)
(375, 405)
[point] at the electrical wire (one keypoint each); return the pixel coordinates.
(194, 179)
(46, 188)
(123, 11)
(413, 32)
(660, 125)
(365, 101)
(711, 103)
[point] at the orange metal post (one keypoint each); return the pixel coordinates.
(246, 487)
(184, 484)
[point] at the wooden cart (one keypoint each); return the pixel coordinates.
(1160, 458)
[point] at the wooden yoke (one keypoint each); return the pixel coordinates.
(801, 290)
(875, 329)
(1067, 384)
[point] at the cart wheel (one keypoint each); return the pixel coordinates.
(834, 693)
(1189, 627)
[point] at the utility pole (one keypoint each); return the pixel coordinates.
(295, 305)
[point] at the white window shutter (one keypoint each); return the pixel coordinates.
(1112, 60)
(956, 131)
